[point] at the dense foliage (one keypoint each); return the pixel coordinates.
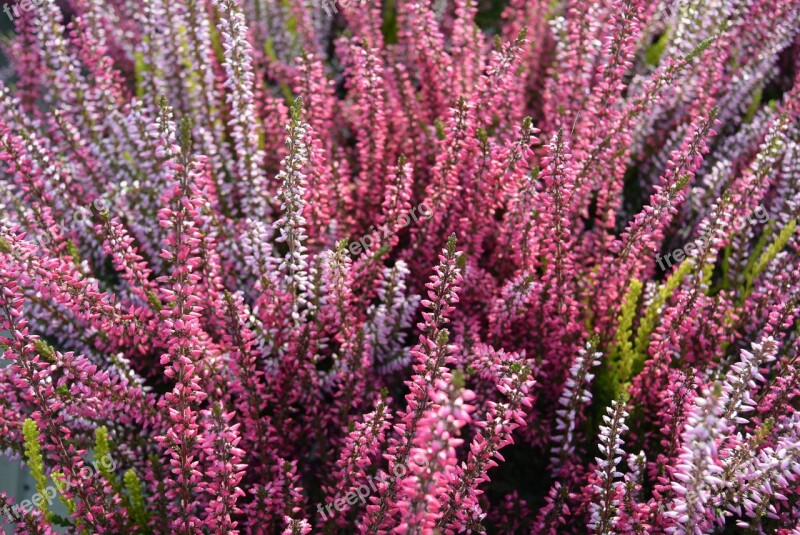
(273, 266)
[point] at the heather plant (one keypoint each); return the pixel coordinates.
(256, 327)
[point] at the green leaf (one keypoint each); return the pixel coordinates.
(754, 105)
(624, 347)
(380, 253)
(296, 111)
(726, 267)
(440, 131)
(72, 251)
(291, 20)
(216, 43)
(140, 67)
(458, 379)
(461, 261)
(766, 257)
(654, 52)
(102, 453)
(186, 134)
(137, 508)
(269, 50)
(614, 374)
(451, 243)
(699, 49)
(155, 302)
(389, 25)
(45, 351)
(650, 319)
(443, 338)
(33, 456)
(61, 521)
(60, 482)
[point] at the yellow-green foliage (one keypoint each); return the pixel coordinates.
(699, 49)
(61, 482)
(72, 250)
(140, 67)
(623, 353)
(33, 455)
(216, 43)
(756, 268)
(269, 50)
(650, 318)
(758, 94)
(192, 74)
(102, 450)
(654, 52)
(155, 302)
(613, 375)
(755, 254)
(389, 26)
(44, 350)
(291, 20)
(137, 508)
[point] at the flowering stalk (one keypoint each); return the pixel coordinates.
(605, 512)
(432, 355)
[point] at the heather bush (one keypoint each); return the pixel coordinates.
(395, 267)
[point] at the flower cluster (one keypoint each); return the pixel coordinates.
(396, 268)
